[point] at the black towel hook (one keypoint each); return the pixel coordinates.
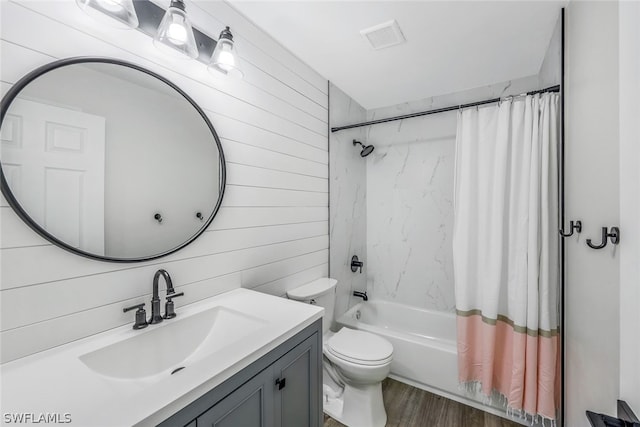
(614, 235)
(577, 226)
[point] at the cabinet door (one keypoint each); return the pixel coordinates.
(251, 405)
(296, 404)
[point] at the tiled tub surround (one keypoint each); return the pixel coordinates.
(410, 198)
(58, 381)
(410, 218)
(347, 207)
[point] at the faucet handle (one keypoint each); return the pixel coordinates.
(133, 307)
(174, 295)
(355, 264)
(169, 307)
(141, 316)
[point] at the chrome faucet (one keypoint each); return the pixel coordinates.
(156, 317)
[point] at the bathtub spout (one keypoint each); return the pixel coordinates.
(362, 295)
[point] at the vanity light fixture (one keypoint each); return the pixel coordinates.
(223, 59)
(170, 30)
(175, 32)
(116, 13)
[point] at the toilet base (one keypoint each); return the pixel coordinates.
(359, 406)
(332, 406)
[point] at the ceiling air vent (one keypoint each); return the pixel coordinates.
(383, 35)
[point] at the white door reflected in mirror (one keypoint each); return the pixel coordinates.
(56, 158)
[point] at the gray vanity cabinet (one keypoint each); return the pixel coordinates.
(281, 389)
(249, 405)
(294, 402)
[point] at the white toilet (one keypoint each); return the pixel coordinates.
(354, 363)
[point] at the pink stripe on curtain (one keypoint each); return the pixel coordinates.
(523, 368)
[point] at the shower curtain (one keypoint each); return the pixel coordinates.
(506, 254)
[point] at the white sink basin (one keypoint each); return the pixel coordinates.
(122, 377)
(173, 344)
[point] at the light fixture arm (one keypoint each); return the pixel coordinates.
(178, 4)
(226, 34)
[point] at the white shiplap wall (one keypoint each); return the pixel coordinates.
(272, 230)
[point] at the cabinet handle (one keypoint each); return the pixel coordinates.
(281, 383)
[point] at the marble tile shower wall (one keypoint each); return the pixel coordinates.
(347, 198)
(410, 212)
(409, 200)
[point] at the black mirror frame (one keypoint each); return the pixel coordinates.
(15, 205)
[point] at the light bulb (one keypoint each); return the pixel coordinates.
(116, 13)
(223, 60)
(177, 33)
(226, 60)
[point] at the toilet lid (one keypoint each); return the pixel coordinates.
(353, 345)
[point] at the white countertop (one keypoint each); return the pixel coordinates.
(56, 381)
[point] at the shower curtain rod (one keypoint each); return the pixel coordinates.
(438, 110)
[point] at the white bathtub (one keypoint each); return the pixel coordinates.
(424, 341)
(424, 348)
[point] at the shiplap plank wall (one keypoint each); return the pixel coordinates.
(271, 233)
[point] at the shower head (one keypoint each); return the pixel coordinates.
(366, 149)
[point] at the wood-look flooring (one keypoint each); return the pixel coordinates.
(411, 407)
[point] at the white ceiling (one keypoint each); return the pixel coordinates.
(451, 45)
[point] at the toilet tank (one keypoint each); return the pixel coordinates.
(321, 292)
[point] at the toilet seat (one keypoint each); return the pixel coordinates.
(360, 347)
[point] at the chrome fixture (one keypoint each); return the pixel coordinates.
(141, 316)
(366, 149)
(171, 31)
(175, 32)
(355, 264)
(362, 295)
(116, 13)
(223, 59)
(156, 317)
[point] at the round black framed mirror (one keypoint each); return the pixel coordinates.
(109, 160)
